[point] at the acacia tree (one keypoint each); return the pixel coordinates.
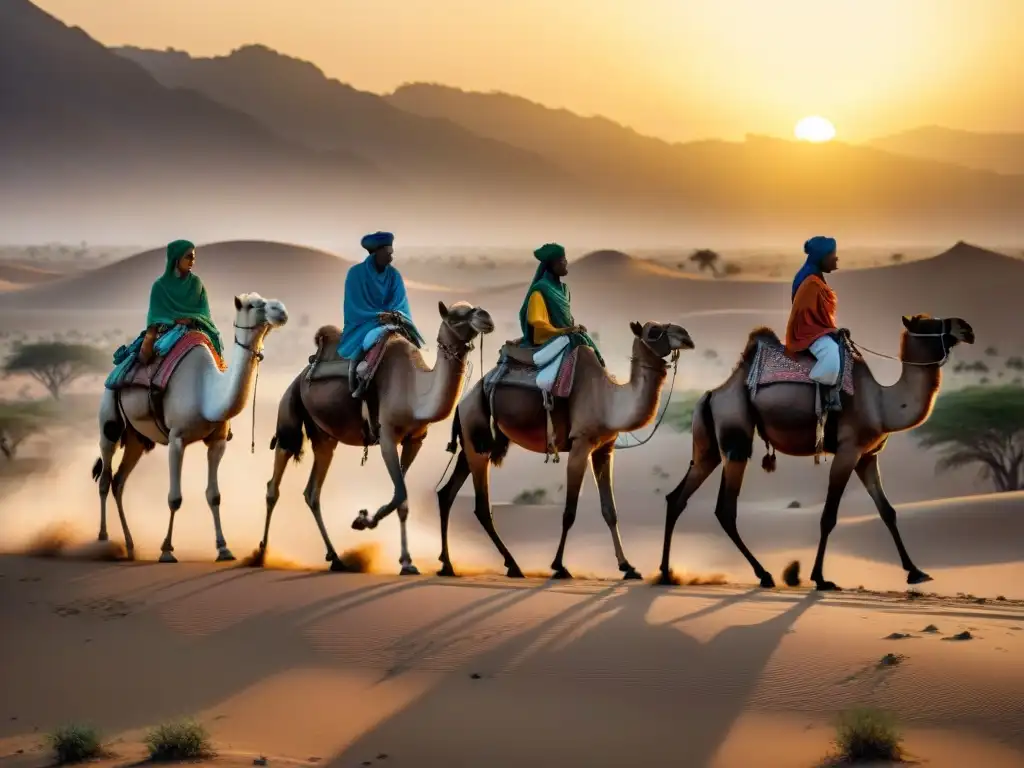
(706, 259)
(980, 425)
(55, 365)
(19, 421)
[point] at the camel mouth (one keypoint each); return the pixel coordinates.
(276, 314)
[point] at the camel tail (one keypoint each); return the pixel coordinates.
(97, 470)
(453, 444)
(293, 423)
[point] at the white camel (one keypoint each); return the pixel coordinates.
(198, 403)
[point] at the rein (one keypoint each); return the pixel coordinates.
(257, 355)
(941, 335)
(668, 402)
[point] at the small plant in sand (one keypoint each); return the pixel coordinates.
(179, 740)
(75, 744)
(865, 735)
(531, 497)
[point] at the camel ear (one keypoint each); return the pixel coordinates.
(638, 330)
(442, 309)
(907, 320)
(238, 304)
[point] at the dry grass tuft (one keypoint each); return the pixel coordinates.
(178, 741)
(791, 574)
(75, 744)
(866, 735)
(684, 579)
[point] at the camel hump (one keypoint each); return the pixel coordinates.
(327, 334)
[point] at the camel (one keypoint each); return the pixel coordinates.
(409, 397)
(586, 424)
(198, 403)
(725, 420)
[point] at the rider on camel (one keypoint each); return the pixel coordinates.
(375, 303)
(545, 317)
(178, 297)
(812, 319)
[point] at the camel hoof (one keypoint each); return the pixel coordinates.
(129, 553)
(362, 521)
(561, 573)
(103, 536)
(918, 577)
(337, 566)
(224, 555)
(409, 570)
(447, 570)
(632, 575)
(828, 586)
(665, 579)
(167, 557)
(767, 582)
(513, 572)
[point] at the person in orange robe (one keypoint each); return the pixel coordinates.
(812, 319)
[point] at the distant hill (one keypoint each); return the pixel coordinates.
(298, 102)
(770, 185)
(999, 152)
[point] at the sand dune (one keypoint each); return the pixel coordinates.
(341, 670)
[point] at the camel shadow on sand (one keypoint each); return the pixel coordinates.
(597, 683)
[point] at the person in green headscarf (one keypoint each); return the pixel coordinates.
(545, 317)
(178, 297)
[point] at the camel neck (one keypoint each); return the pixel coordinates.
(226, 394)
(635, 402)
(440, 386)
(907, 403)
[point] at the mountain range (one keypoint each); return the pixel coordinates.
(255, 143)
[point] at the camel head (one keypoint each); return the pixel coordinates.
(662, 340)
(930, 339)
(463, 322)
(255, 317)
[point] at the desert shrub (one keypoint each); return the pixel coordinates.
(1016, 363)
(865, 735)
(531, 497)
(731, 269)
(991, 351)
(179, 740)
(679, 415)
(75, 744)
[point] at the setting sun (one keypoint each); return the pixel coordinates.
(815, 129)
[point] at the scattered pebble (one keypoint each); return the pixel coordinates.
(892, 659)
(382, 756)
(1001, 598)
(897, 636)
(931, 628)
(314, 759)
(259, 760)
(475, 675)
(965, 635)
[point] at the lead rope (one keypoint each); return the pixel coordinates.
(255, 386)
(668, 402)
(465, 384)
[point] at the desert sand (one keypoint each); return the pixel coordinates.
(307, 667)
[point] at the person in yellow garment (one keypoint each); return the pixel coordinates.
(545, 317)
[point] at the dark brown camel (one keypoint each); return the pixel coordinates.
(586, 425)
(725, 420)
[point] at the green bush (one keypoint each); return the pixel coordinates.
(179, 740)
(864, 735)
(75, 744)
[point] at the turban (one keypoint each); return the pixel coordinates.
(377, 240)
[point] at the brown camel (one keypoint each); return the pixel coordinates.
(725, 419)
(409, 397)
(586, 424)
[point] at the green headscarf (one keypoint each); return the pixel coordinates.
(174, 297)
(556, 298)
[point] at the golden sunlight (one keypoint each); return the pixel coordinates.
(815, 129)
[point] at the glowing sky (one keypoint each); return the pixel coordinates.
(680, 69)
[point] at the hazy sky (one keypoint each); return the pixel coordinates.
(680, 69)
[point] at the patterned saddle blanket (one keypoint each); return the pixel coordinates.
(170, 348)
(516, 369)
(771, 365)
(328, 364)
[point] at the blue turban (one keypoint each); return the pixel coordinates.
(817, 249)
(377, 240)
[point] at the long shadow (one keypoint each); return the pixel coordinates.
(598, 673)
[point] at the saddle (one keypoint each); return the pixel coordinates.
(156, 375)
(771, 365)
(517, 368)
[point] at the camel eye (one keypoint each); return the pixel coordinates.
(655, 333)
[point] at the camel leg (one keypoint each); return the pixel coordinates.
(579, 457)
(133, 451)
(601, 462)
(445, 499)
(107, 450)
(323, 455)
(175, 457)
(410, 448)
(274, 492)
(726, 512)
(869, 474)
(214, 455)
(388, 452)
(838, 477)
(480, 468)
(702, 465)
